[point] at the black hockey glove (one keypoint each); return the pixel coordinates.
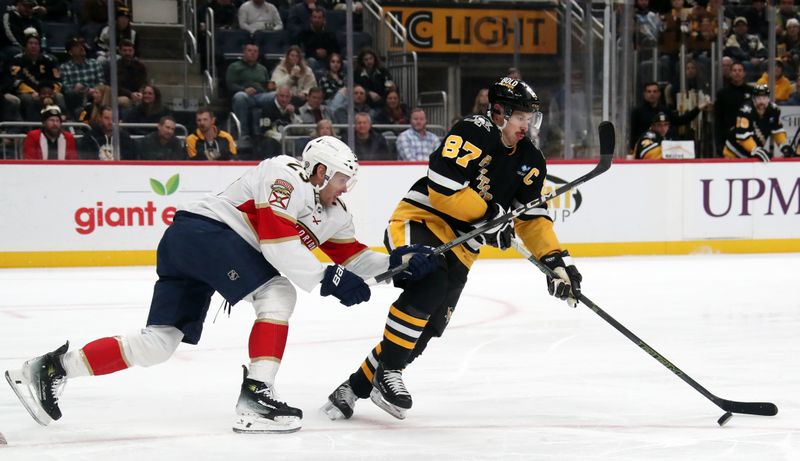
(346, 286)
(421, 261)
(760, 153)
(788, 151)
(499, 236)
(568, 284)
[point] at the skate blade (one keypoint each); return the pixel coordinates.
(26, 397)
(253, 424)
(394, 410)
(332, 412)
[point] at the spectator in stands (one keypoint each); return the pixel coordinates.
(370, 74)
(340, 103)
(756, 15)
(728, 102)
(726, 63)
(788, 48)
(393, 112)
(124, 32)
(247, 81)
(98, 144)
(150, 110)
(79, 74)
(783, 86)
(209, 142)
(416, 143)
(225, 14)
(694, 82)
(255, 15)
(324, 128)
(642, 115)
(369, 144)
(131, 74)
(648, 26)
(745, 48)
(298, 19)
(274, 117)
(293, 72)
(54, 10)
(333, 79)
(96, 100)
(50, 142)
(699, 44)
(786, 11)
(96, 11)
(676, 30)
(481, 104)
(318, 42)
(648, 146)
(314, 110)
(30, 71)
(16, 22)
(794, 99)
(162, 144)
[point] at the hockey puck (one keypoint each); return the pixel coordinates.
(724, 418)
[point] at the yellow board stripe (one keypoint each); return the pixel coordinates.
(12, 259)
(397, 340)
(407, 318)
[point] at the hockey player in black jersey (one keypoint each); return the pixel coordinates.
(485, 165)
(757, 121)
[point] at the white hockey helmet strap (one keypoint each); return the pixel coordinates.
(335, 155)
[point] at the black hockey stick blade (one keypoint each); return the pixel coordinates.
(748, 408)
(607, 137)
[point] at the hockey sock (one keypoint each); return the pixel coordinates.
(75, 364)
(267, 343)
(403, 328)
(361, 380)
(103, 356)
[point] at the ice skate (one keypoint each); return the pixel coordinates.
(259, 411)
(341, 402)
(389, 392)
(39, 383)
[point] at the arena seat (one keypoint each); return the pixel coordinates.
(229, 42)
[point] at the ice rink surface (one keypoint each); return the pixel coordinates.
(518, 375)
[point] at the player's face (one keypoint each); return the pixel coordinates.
(517, 127)
(761, 102)
(336, 186)
(661, 128)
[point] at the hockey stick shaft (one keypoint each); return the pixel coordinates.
(750, 408)
(607, 143)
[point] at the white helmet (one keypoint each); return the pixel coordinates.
(335, 155)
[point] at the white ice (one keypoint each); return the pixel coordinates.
(517, 375)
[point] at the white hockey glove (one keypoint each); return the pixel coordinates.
(760, 153)
(568, 284)
(499, 236)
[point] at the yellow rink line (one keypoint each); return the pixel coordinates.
(148, 257)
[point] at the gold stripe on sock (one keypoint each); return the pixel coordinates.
(397, 340)
(407, 318)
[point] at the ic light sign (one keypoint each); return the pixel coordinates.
(478, 30)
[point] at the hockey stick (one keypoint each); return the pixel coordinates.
(730, 406)
(607, 142)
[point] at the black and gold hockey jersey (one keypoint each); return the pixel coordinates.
(752, 130)
(470, 169)
(648, 147)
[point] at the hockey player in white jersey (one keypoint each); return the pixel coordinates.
(248, 242)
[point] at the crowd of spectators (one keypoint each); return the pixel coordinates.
(662, 27)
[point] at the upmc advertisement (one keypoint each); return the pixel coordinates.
(634, 208)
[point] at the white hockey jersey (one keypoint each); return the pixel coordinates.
(275, 209)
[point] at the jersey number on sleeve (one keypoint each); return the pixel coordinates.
(299, 169)
(453, 145)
